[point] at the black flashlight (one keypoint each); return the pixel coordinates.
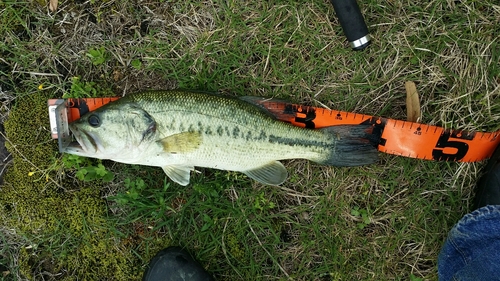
(352, 23)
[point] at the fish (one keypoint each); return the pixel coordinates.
(179, 130)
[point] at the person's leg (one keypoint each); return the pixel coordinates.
(488, 188)
(472, 249)
(175, 264)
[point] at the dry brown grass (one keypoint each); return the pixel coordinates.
(291, 50)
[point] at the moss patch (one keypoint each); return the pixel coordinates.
(65, 219)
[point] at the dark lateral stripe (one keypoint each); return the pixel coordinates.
(293, 142)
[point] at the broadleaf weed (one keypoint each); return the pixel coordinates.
(142, 201)
(262, 203)
(97, 56)
(363, 215)
(85, 169)
(81, 89)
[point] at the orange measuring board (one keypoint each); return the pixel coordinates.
(79, 106)
(397, 137)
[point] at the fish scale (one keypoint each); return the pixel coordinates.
(178, 130)
(187, 109)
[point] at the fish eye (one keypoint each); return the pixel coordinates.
(94, 121)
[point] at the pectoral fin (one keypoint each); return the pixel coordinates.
(179, 174)
(273, 173)
(181, 142)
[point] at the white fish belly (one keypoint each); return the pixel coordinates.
(243, 156)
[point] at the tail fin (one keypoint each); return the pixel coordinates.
(355, 145)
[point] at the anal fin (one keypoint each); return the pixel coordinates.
(273, 173)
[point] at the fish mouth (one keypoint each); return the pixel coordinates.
(85, 144)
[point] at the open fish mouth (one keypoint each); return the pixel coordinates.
(86, 144)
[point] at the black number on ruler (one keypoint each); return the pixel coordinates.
(444, 142)
(308, 120)
(81, 104)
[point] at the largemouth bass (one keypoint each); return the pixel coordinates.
(178, 130)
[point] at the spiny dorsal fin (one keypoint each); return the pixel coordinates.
(179, 174)
(273, 173)
(259, 100)
(181, 142)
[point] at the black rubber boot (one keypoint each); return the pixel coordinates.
(488, 187)
(175, 264)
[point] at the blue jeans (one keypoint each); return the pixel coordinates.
(472, 250)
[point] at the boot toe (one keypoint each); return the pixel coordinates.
(175, 264)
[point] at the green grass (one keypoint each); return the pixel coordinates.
(380, 222)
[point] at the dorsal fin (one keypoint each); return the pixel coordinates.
(273, 111)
